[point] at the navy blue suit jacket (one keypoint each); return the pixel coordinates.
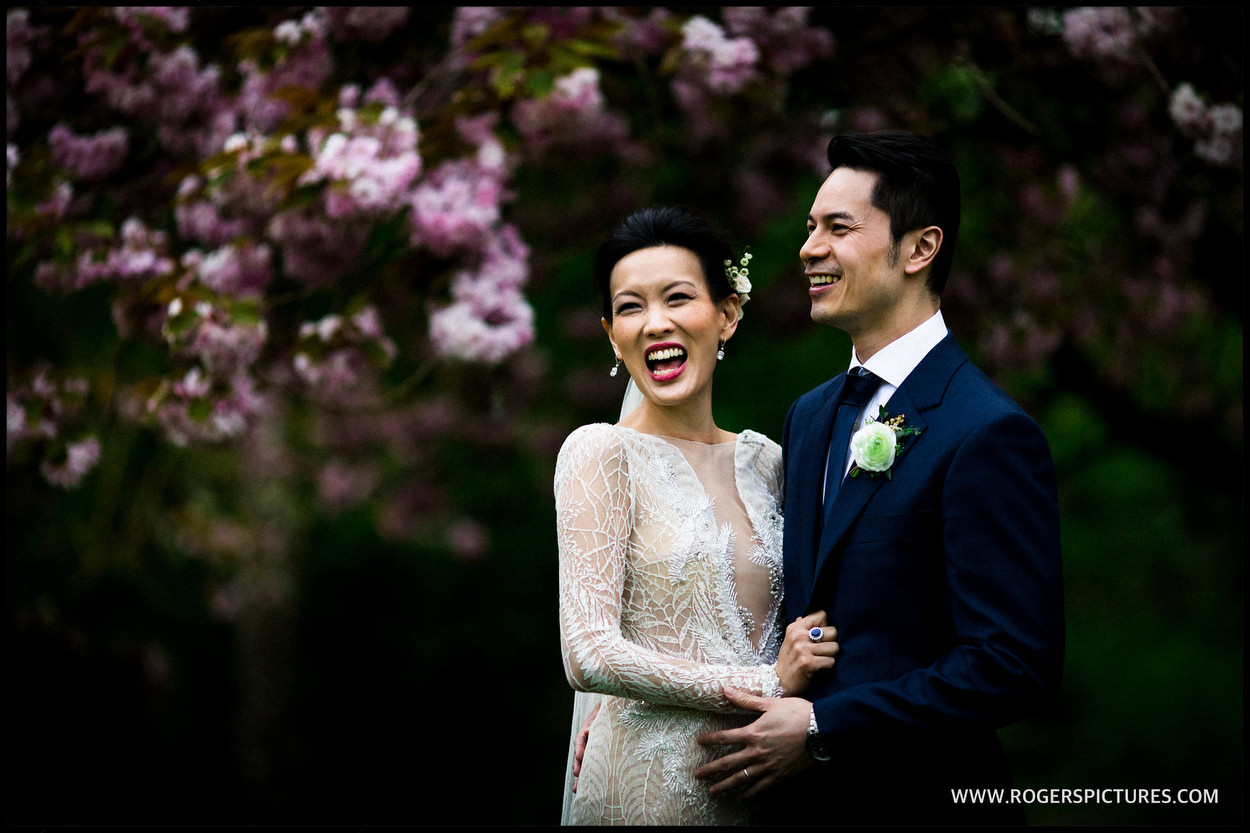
(944, 582)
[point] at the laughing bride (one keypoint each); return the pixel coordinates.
(670, 543)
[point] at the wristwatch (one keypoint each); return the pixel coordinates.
(815, 746)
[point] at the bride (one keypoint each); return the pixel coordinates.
(670, 543)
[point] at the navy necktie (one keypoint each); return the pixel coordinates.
(859, 387)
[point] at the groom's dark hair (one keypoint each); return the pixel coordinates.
(917, 186)
(665, 225)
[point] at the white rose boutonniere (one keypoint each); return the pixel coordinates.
(875, 446)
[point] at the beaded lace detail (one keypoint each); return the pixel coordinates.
(670, 589)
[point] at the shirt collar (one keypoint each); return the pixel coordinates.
(899, 358)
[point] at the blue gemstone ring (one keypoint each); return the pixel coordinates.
(815, 634)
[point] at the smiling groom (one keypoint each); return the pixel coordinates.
(934, 551)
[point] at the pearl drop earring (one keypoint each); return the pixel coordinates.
(720, 351)
(615, 367)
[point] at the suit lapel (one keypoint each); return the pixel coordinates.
(921, 390)
(857, 490)
(813, 436)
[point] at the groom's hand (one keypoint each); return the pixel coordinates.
(774, 746)
(579, 744)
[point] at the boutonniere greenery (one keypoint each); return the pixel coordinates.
(875, 446)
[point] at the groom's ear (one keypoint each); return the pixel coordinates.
(919, 249)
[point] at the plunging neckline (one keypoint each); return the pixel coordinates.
(753, 544)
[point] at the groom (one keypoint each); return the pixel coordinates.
(940, 571)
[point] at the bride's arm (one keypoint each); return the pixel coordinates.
(594, 519)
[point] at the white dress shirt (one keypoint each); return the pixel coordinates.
(894, 363)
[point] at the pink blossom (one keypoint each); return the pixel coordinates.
(40, 412)
(383, 92)
(371, 24)
(316, 249)
(337, 355)
(342, 485)
(182, 88)
(239, 197)
(11, 157)
(640, 36)
(478, 130)
(311, 27)
(470, 21)
(140, 256)
(1221, 148)
(1069, 181)
(201, 220)
(455, 208)
(1100, 32)
(408, 508)
(197, 408)
(57, 202)
(468, 540)
(485, 334)
(573, 112)
(306, 63)
(80, 458)
(92, 157)
(14, 422)
(1216, 130)
(338, 372)
(224, 343)
(174, 17)
(1021, 342)
(503, 268)
(365, 181)
(168, 89)
(1112, 35)
(243, 269)
(783, 35)
(38, 409)
(723, 65)
(1187, 109)
(19, 35)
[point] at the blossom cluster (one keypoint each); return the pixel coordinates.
(573, 112)
(371, 24)
(1215, 129)
(334, 353)
(371, 160)
(89, 157)
(784, 36)
(489, 318)
(197, 407)
(1111, 33)
(140, 79)
(43, 413)
(140, 254)
(724, 64)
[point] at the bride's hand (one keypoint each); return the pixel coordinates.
(800, 657)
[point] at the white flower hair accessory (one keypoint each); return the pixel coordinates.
(738, 279)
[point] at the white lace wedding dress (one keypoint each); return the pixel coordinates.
(670, 589)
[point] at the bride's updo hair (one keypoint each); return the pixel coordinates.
(665, 225)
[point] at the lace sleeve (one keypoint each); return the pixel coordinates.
(593, 518)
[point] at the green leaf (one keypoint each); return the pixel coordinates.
(508, 74)
(540, 83)
(199, 409)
